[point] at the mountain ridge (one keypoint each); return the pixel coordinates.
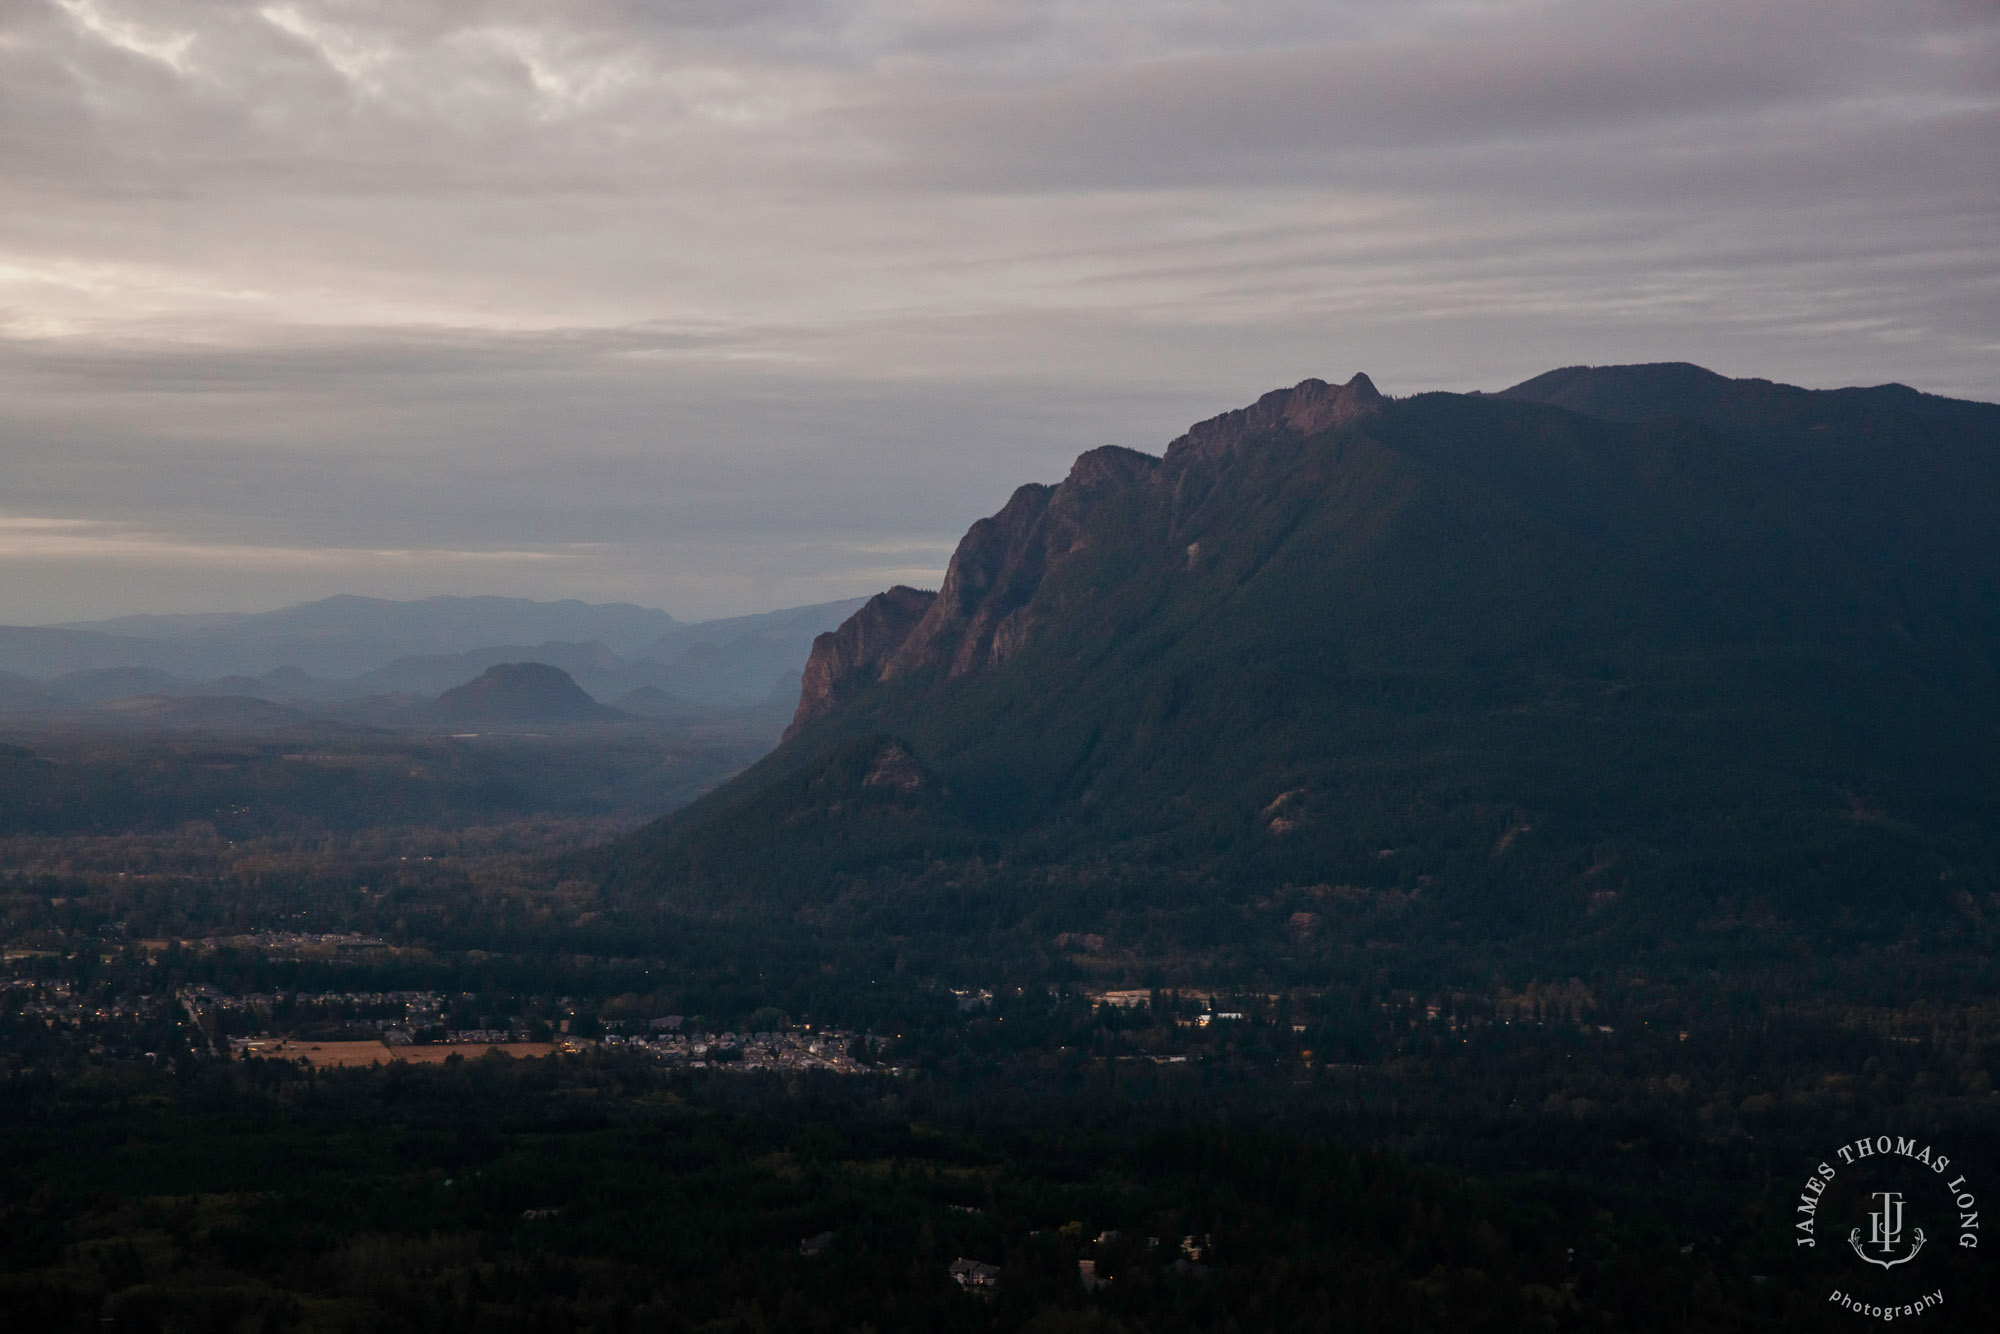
(981, 614)
(1420, 623)
(293, 655)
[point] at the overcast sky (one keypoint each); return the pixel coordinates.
(723, 305)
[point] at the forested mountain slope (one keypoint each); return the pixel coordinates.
(1664, 649)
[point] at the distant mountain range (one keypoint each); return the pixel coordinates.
(346, 649)
(347, 635)
(1618, 650)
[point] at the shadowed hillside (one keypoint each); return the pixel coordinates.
(1486, 664)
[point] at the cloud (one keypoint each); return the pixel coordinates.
(1662, 78)
(741, 303)
(27, 538)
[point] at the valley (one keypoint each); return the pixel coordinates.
(1446, 863)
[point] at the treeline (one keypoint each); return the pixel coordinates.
(594, 1194)
(321, 777)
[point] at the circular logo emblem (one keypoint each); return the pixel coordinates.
(1885, 1216)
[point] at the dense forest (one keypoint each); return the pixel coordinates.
(590, 1194)
(1378, 1134)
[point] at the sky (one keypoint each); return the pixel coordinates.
(726, 305)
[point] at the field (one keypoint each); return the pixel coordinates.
(330, 1054)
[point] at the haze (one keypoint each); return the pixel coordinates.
(725, 306)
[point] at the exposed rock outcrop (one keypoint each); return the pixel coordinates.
(851, 657)
(986, 611)
(984, 614)
(1309, 407)
(896, 768)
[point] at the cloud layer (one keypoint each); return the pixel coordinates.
(718, 306)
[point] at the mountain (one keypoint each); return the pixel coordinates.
(593, 666)
(342, 636)
(653, 702)
(783, 626)
(41, 652)
(101, 685)
(740, 660)
(857, 653)
(201, 713)
(521, 694)
(19, 694)
(352, 648)
(1674, 649)
(171, 625)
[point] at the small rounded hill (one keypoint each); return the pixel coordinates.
(521, 694)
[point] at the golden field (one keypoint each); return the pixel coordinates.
(332, 1054)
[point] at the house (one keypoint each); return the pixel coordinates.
(973, 1274)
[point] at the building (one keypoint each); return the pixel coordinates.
(973, 1274)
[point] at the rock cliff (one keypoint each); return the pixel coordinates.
(987, 609)
(1307, 408)
(848, 658)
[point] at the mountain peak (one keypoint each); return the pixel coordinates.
(514, 693)
(1503, 664)
(1308, 407)
(985, 612)
(853, 655)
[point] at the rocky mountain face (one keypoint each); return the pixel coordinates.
(851, 657)
(988, 607)
(1309, 407)
(1502, 655)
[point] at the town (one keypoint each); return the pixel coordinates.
(370, 1027)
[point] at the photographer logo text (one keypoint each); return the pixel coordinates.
(1905, 1196)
